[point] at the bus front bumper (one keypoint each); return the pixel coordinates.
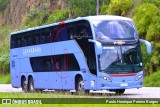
(120, 85)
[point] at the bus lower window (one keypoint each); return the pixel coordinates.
(65, 62)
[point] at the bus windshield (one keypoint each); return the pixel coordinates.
(121, 59)
(115, 30)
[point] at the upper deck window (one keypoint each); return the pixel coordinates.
(78, 30)
(115, 30)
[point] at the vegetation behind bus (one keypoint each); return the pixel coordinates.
(145, 14)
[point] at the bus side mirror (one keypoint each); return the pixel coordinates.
(98, 46)
(148, 46)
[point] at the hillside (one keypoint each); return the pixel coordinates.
(14, 11)
(22, 14)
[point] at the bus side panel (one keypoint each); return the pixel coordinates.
(41, 80)
(68, 82)
(55, 80)
(15, 73)
(13, 78)
(25, 65)
(92, 81)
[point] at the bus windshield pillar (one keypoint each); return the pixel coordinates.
(98, 46)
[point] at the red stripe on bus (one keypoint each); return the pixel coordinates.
(121, 75)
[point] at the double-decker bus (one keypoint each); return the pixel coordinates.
(82, 54)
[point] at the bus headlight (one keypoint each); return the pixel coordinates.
(139, 77)
(106, 78)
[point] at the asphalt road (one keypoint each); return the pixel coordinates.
(145, 92)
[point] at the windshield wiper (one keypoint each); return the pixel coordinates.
(118, 60)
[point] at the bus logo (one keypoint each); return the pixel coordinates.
(119, 42)
(31, 50)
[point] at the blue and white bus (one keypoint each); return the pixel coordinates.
(82, 54)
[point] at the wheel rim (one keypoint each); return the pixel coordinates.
(81, 86)
(31, 85)
(24, 85)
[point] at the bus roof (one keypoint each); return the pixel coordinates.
(91, 18)
(108, 17)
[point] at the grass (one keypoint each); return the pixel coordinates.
(39, 95)
(5, 79)
(153, 80)
(56, 95)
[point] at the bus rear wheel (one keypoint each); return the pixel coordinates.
(120, 91)
(31, 85)
(24, 85)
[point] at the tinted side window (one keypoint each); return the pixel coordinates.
(13, 41)
(71, 31)
(59, 33)
(36, 38)
(18, 40)
(72, 63)
(47, 35)
(83, 30)
(65, 62)
(41, 64)
(79, 30)
(31, 38)
(24, 42)
(74, 30)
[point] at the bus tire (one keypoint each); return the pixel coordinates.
(120, 91)
(24, 85)
(72, 93)
(80, 86)
(31, 88)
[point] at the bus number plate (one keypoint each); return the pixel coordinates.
(123, 84)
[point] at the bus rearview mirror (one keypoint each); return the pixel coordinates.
(98, 46)
(148, 45)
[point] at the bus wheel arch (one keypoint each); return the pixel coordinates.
(31, 84)
(24, 84)
(76, 80)
(79, 85)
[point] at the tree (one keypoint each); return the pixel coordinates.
(117, 7)
(82, 7)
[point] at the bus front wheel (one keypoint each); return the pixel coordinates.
(120, 91)
(31, 85)
(80, 87)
